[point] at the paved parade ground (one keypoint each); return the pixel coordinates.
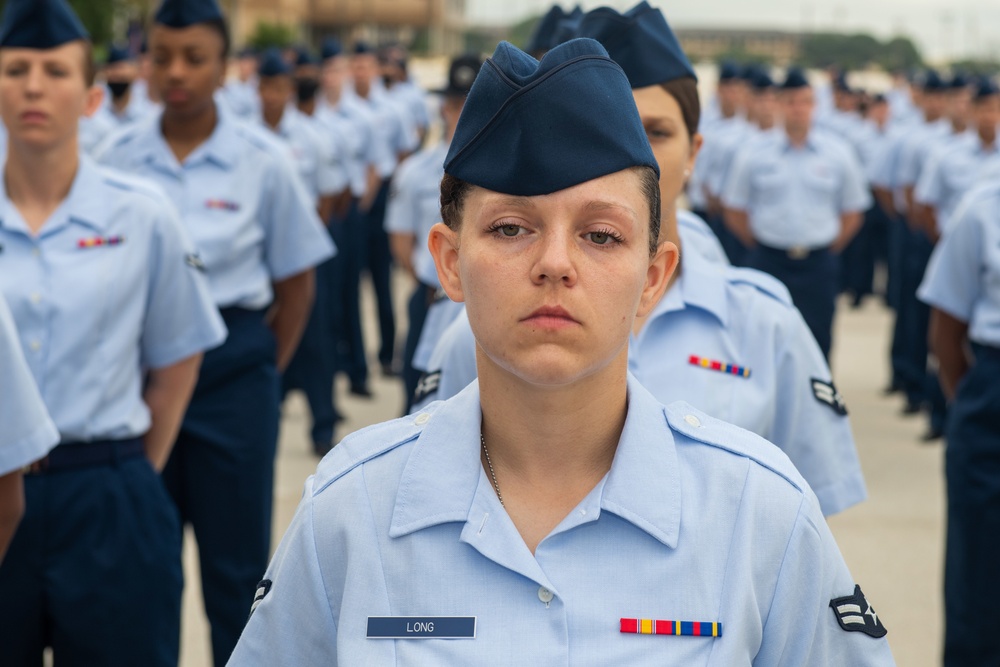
(893, 543)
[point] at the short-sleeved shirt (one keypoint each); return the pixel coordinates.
(28, 433)
(355, 125)
(715, 135)
(241, 97)
(794, 196)
(240, 200)
(312, 153)
(391, 133)
(951, 170)
(730, 342)
(415, 205)
(914, 149)
(109, 287)
(696, 520)
(697, 236)
(963, 276)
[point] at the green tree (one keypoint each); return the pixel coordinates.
(900, 53)
(266, 35)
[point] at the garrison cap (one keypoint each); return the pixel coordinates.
(185, 13)
(330, 48)
(932, 82)
(532, 128)
(762, 80)
(729, 71)
(545, 31)
(362, 47)
(40, 24)
(117, 54)
(958, 81)
(303, 56)
(794, 79)
(273, 64)
(641, 42)
(461, 75)
(984, 89)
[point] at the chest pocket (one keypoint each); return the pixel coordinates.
(820, 181)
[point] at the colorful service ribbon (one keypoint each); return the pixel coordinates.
(99, 241)
(721, 366)
(648, 626)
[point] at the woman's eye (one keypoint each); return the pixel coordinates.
(600, 238)
(659, 134)
(510, 230)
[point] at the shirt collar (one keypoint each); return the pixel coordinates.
(786, 143)
(220, 147)
(83, 204)
(439, 482)
(700, 284)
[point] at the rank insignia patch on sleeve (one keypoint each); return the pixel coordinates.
(827, 394)
(427, 385)
(194, 261)
(263, 588)
(855, 614)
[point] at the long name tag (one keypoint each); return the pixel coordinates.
(421, 627)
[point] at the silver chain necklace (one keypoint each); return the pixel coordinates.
(489, 464)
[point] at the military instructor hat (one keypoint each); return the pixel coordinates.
(461, 74)
(641, 42)
(532, 128)
(40, 24)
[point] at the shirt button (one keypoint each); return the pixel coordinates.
(693, 421)
(422, 419)
(36, 297)
(545, 595)
(36, 252)
(36, 346)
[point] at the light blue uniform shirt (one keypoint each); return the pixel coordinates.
(952, 169)
(241, 97)
(415, 205)
(914, 149)
(109, 287)
(740, 318)
(94, 129)
(27, 433)
(414, 98)
(312, 152)
(368, 146)
(963, 276)
(794, 197)
(732, 144)
(240, 200)
(696, 235)
(710, 158)
(696, 520)
(390, 134)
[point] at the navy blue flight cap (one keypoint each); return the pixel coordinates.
(985, 88)
(362, 47)
(932, 82)
(545, 31)
(729, 71)
(330, 48)
(40, 24)
(273, 64)
(117, 54)
(461, 75)
(641, 42)
(762, 80)
(958, 81)
(794, 79)
(532, 128)
(303, 56)
(185, 13)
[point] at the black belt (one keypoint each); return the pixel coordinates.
(795, 252)
(87, 455)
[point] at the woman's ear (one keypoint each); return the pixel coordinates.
(95, 96)
(661, 269)
(443, 244)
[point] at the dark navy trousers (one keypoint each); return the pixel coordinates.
(379, 264)
(344, 278)
(972, 468)
(417, 308)
(812, 281)
(221, 472)
(94, 570)
(312, 367)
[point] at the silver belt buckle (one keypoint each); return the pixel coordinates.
(798, 252)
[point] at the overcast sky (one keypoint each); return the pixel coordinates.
(943, 29)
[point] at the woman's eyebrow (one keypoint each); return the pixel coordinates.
(599, 205)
